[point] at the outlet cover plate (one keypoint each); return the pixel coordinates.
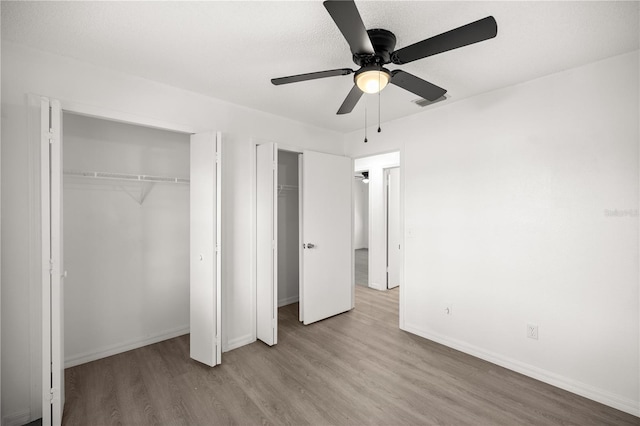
(532, 331)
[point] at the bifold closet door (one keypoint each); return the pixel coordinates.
(267, 243)
(52, 262)
(326, 285)
(205, 249)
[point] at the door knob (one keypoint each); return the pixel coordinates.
(310, 245)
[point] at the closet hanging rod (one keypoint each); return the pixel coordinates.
(125, 176)
(287, 187)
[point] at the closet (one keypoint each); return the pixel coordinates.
(125, 236)
(288, 228)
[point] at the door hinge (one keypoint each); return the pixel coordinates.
(50, 266)
(53, 392)
(217, 157)
(273, 323)
(217, 248)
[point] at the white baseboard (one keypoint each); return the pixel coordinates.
(288, 301)
(17, 419)
(377, 286)
(604, 397)
(239, 341)
(106, 351)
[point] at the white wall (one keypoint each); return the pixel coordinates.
(377, 214)
(361, 215)
(288, 230)
(127, 263)
(25, 70)
(507, 198)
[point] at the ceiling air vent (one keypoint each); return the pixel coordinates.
(423, 102)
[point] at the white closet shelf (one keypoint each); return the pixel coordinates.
(137, 186)
(125, 177)
(287, 188)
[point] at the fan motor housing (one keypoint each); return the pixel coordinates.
(384, 42)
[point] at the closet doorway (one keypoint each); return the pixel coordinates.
(125, 236)
(315, 241)
(140, 205)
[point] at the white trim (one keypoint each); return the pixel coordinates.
(253, 203)
(239, 341)
(123, 117)
(353, 239)
(607, 398)
(219, 248)
(377, 286)
(288, 301)
(402, 243)
(118, 348)
(17, 419)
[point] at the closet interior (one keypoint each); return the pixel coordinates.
(126, 236)
(288, 228)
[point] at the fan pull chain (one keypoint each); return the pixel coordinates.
(365, 125)
(379, 129)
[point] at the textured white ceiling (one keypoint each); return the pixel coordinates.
(231, 50)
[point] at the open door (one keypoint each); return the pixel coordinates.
(393, 227)
(205, 248)
(267, 243)
(52, 262)
(326, 285)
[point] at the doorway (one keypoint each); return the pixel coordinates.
(324, 237)
(204, 251)
(361, 227)
(377, 220)
(288, 236)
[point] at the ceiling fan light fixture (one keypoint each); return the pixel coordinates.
(372, 79)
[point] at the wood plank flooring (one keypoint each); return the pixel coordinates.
(356, 368)
(362, 267)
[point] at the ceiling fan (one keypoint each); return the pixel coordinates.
(372, 49)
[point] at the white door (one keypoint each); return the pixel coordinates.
(393, 227)
(267, 243)
(326, 285)
(52, 262)
(205, 249)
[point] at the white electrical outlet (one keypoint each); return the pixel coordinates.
(532, 331)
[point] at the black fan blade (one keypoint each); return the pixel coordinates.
(416, 85)
(474, 32)
(346, 16)
(311, 76)
(351, 100)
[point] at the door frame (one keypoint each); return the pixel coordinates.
(386, 173)
(36, 334)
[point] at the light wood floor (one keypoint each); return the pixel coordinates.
(362, 267)
(356, 368)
